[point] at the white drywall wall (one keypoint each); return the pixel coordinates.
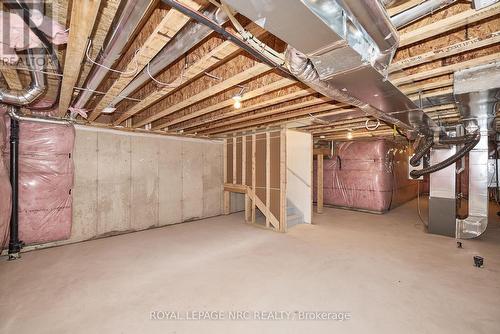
(299, 157)
(127, 181)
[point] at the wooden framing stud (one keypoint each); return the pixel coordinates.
(319, 188)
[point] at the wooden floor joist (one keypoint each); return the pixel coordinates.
(304, 113)
(11, 76)
(280, 84)
(243, 118)
(218, 55)
(164, 32)
(448, 24)
(445, 69)
(467, 45)
(237, 79)
(83, 16)
(404, 6)
(412, 89)
(261, 105)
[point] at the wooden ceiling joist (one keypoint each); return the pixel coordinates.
(260, 105)
(292, 117)
(218, 55)
(282, 83)
(164, 32)
(83, 16)
(404, 6)
(237, 79)
(313, 102)
(276, 117)
(445, 69)
(450, 50)
(448, 24)
(11, 76)
(412, 89)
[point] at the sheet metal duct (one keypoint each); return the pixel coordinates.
(123, 29)
(183, 41)
(349, 46)
(477, 91)
(35, 58)
(419, 11)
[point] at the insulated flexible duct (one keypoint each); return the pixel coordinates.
(457, 140)
(445, 163)
(421, 151)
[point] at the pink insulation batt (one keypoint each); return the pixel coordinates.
(367, 175)
(45, 181)
(5, 190)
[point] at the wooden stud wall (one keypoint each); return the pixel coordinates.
(256, 166)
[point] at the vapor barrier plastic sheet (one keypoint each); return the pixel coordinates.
(45, 181)
(367, 175)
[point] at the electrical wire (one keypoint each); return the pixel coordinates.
(127, 74)
(418, 205)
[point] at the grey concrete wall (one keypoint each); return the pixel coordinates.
(128, 182)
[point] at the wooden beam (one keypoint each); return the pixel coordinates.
(447, 24)
(319, 184)
(248, 74)
(264, 104)
(447, 51)
(11, 76)
(218, 55)
(416, 97)
(282, 83)
(83, 16)
(412, 89)
(404, 6)
(435, 72)
(226, 195)
(276, 116)
(164, 32)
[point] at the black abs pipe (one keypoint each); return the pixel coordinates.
(15, 244)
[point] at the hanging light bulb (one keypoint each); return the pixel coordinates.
(349, 135)
(237, 101)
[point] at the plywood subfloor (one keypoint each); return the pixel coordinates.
(383, 269)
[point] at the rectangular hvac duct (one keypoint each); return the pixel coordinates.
(350, 44)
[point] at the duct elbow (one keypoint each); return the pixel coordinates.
(471, 227)
(36, 88)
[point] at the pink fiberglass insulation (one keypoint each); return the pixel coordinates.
(367, 175)
(5, 189)
(45, 181)
(20, 37)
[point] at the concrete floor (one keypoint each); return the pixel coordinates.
(383, 269)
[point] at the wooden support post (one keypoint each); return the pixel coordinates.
(226, 197)
(319, 188)
(234, 160)
(268, 177)
(248, 206)
(283, 201)
(254, 139)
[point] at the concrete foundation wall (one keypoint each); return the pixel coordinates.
(127, 182)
